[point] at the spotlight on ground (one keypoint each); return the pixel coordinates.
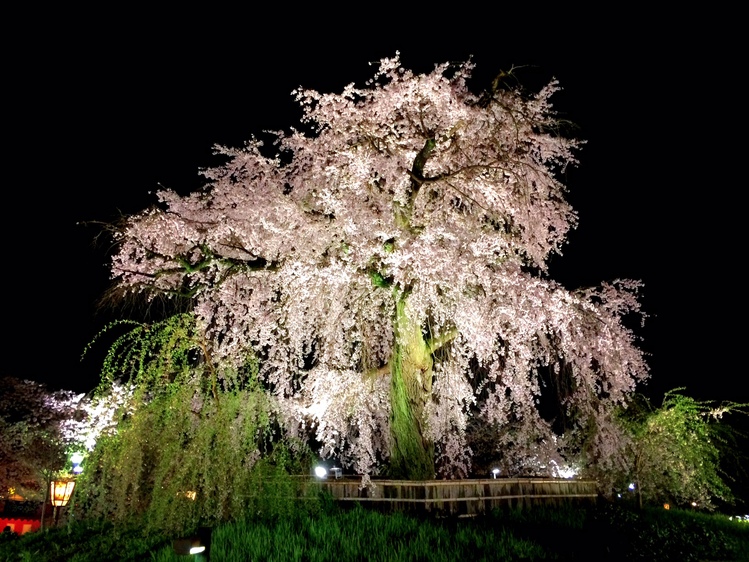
(197, 546)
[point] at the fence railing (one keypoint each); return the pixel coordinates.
(460, 497)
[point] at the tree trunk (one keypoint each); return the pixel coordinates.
(412, 453)
(44, 503)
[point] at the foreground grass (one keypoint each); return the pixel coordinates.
(603, 533)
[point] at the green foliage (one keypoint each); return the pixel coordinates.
(360, 534)
(609, 532)
(196, 445)
(675, 451)
(683, 535)
(83, 542)
(32, 447)
(186, 459)
(30, 456)
(153, 355)
(378, 280)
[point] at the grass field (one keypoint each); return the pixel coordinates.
(605, 532)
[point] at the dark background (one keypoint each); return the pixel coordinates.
(102, 109)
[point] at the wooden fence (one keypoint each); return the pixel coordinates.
(461, 497)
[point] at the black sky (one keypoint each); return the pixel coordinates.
(100, 116)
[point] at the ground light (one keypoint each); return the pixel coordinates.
(198, 545)
(495, 472)
(188, 546)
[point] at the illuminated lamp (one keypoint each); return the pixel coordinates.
(320, 472)
(60, 492)
(77, 459)
(495, 472)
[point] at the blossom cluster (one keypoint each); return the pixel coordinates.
(412, 189)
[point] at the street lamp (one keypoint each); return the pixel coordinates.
(59, 494)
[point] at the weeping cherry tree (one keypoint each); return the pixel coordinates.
(386, 264)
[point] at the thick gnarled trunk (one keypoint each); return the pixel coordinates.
(412, 453)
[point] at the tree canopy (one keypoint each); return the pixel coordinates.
(385, 264)
(35, 432)
(678, 452)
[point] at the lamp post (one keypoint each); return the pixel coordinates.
(59, 494)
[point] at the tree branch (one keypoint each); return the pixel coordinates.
(436, 343)
(403, 212)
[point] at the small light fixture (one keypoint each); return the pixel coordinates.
(60, 492)
(495, 472)
(320, 472)
(77, 459)
(195, 545)
(631, 487)
(337, 472)
(666, 506)
(188, 546)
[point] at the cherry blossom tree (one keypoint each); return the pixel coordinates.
(33, 440)
(386, 264)
(40, 428)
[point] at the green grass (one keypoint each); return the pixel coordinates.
(607, 532)
(92, 541)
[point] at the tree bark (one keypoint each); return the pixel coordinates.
(412, 453)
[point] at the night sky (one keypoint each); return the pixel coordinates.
(98, 118)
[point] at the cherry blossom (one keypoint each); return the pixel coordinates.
(386, 261)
